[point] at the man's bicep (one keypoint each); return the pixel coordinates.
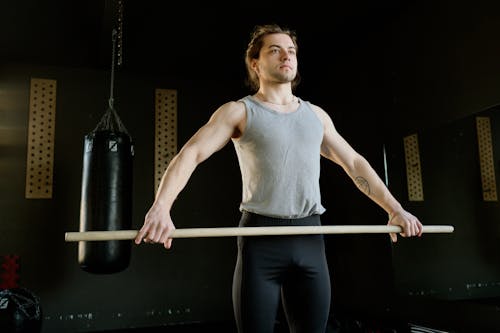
(211, 137)
(336, 148)
(206, 141)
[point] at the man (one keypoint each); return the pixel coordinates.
(279, 139)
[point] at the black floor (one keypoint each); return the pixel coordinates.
(344, 326)
(188, 328)
(470, 316)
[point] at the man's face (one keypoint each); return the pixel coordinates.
(277, 61)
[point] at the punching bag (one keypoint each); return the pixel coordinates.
(106, 198)
(106, 195)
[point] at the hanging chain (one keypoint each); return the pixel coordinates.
(111, 120)
(113, 39)
(117, 40)
(120, 33)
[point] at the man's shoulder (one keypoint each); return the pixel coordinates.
(319, 111)
(233, 106)
(233, 110)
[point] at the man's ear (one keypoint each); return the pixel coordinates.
(255, 66)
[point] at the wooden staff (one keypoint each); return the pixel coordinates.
(252, 231)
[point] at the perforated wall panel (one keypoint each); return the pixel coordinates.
(487, 166)
(41, 129)
(165, 131)
(413, 168)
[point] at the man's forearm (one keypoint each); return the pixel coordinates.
(175, 178)
(369, 182)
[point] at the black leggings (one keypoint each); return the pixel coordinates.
(293, 268)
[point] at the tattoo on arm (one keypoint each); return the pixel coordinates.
(363, 185)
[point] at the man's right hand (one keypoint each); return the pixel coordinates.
(157, 228)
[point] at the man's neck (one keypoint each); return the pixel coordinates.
(277, 96)
(277, 101)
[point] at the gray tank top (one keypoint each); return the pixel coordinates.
(279, 158)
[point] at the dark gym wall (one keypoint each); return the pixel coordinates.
(443, 62)
(445, 72)
(464, 265)
(385, 73)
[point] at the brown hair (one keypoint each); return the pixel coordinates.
(255, 45)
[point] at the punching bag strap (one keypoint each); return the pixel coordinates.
(112, 85)
(111, 121)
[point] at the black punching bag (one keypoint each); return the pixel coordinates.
(106, 200)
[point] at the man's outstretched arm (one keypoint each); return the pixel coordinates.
(338, 150)
(210, 138)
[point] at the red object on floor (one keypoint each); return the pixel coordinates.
(9, 277)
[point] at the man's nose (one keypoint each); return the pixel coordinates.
(285, 54)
